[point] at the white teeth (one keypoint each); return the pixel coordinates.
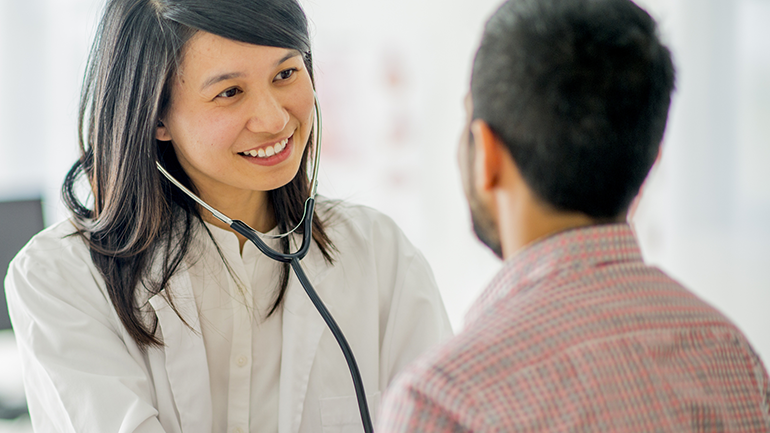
(269, 150)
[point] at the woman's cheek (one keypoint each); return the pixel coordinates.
(219, 134)
(308, 120)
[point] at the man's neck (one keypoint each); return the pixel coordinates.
(524, 220)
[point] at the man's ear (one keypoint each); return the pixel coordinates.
(487, 156)
(161, 132)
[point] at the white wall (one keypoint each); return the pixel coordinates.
(22, 72)
(43, 50)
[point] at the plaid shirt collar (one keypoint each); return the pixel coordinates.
(571, 250)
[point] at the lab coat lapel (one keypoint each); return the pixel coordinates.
(302, 330)
(186, 363)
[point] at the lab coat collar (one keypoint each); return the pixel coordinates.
(185, 354)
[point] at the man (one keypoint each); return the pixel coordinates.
(568, 104)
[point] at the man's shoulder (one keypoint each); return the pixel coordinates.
(452, 381)
(477, 375)
(519, 332)
(468, 360)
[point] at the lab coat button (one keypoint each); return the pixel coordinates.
(241, 361)
(237, 430)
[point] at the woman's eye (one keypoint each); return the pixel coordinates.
(229, 93)
(285, 75)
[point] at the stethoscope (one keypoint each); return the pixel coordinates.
(293, 259)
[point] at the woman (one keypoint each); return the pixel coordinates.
(143, 313)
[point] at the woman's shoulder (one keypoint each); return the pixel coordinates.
(53, 257)
(357, 222)
(61, 242)
(53, 282)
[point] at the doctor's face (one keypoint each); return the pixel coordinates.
(239, 116)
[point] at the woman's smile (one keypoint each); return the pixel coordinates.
(271, 153)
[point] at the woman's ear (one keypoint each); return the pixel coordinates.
(161, 132)
(487, 157)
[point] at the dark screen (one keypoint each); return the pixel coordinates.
(19, 221)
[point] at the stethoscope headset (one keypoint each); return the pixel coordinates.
(293, 259)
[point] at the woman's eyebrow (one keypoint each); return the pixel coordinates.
(289, 55)
(217, 78)
(230, 75)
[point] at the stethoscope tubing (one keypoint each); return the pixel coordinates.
(358, 383)
(294, 261)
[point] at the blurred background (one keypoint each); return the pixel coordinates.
(391, 77)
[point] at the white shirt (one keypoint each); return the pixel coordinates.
(84, 373)
(234, 292)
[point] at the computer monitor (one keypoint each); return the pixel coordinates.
(19, 221)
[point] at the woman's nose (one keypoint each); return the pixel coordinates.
(268, 114)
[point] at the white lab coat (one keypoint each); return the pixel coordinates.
(84, 373)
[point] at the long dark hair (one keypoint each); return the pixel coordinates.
(137, 219)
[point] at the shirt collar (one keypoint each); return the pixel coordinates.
(228, 241)
(570, 250)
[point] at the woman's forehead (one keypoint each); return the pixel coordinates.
(205, 51)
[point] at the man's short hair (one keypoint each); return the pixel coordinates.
(579, 92)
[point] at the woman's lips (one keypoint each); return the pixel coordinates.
(272, 154)
(267, 151)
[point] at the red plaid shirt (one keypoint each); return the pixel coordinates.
(577, 334)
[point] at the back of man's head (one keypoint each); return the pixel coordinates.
(579, 91)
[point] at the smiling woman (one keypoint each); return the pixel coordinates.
(239, 119)
(143, 312)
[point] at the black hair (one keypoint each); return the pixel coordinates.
(138, 219)
(579, 92)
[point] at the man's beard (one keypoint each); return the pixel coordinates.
(483, 224)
